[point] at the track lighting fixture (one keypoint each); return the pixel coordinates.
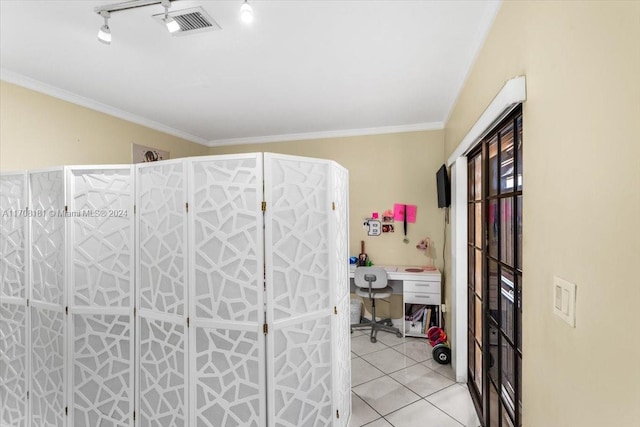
(246, 12)
(172, 25)
(182, 22)
(104, 35)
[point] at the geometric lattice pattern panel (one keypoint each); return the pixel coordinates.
(102, 371)
(301, 388)
(13, 365)
(47, 367)
(47, 236)
(342, 361)
(162, 364)
(228, 378)
(162, 231)
(101, 237)
(340, 233)
(297, 233)
(227, 238)
(12, 235)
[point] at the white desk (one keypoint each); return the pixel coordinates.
(416, 287)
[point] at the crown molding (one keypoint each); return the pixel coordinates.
(327, 134)
(47, 89)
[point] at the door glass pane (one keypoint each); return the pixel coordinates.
(494, 290)
(471, 303)
(506, 231)
(478, 226)
(493, 351)
(478, 368)
(494, 406)
(471, 186)
(506, 419)
(478, 323)
(471, 264)
(478, 268)
(478, 177)
(519, 232)
(519, 309)
(471, 223)
(507, 298)
(471, 347)
(508, 377)
(506, 159)
(519, 155)
(493, 228)
(493, 166)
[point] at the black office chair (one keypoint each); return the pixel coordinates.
(372, 284)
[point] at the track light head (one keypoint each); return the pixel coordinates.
(246, 13)
(104, 35)
(172, 25)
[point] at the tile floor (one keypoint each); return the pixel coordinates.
(396, 383)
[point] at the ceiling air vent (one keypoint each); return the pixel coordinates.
(191, 21)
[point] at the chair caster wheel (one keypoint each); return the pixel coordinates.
(399, 334)
(373, 340)
(389, 323)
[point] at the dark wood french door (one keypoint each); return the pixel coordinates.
(495, 274)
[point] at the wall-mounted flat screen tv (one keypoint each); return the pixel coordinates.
(444, 188)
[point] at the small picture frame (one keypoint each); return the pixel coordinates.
(144, 154)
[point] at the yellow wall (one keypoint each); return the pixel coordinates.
(581, 199)
(39, 131)
(383, 170)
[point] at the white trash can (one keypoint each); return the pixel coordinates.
(355, 310)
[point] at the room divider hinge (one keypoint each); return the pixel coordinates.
(66, 310)
(134, 209)
(188, 322)
(265, 329)
(27, 394)
(333, 206)
(27, 302)
(335, 310)
(135, 311)
(186, 206)
(134, 415)
(264, 206)
(66, 208)
(66, 410)
(337, 413)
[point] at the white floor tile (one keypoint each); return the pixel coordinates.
(385, 395)
(389, 338)
(361, 413)
(421, 380)
(380, 422)
(389, 360)
(418, 350)
(362, 371)
(445, 370)
(456, 401)
(362, 345)
(421, 413)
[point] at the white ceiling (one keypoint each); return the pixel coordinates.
(302, 69)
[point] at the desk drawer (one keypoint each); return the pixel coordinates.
(421, 298)
(422, 287)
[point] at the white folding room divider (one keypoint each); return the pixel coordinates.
(241, 294)
(101, 295)
(14, 322)
(48, 299)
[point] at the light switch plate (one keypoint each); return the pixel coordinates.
(564, 300)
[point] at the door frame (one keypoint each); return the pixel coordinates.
(512, 94)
